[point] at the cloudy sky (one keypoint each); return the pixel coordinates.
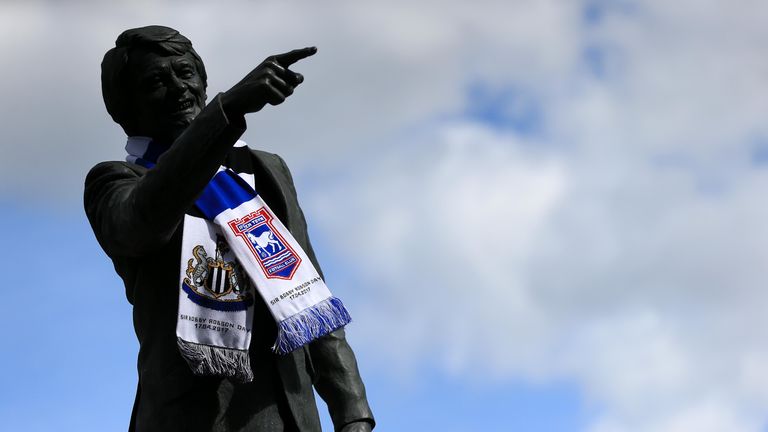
(544, 215)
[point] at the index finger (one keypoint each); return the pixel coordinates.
(291, 57)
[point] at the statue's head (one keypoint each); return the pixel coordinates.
(153, 82)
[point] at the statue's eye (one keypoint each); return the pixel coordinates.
(153, 81)
(186, 72)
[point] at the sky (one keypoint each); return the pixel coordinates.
(543, 215)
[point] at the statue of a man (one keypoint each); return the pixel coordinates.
(206, 322)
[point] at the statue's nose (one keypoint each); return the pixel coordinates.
(176, 85)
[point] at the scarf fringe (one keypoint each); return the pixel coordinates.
(311, 323)
(218, 361)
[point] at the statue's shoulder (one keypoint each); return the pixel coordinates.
(273, 161)
(104, 171)
(265, 156)
(119, 166)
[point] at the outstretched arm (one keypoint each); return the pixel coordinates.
(133, 212)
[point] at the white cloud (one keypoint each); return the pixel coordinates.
(623, 247)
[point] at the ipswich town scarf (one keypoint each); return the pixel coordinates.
(233, 247)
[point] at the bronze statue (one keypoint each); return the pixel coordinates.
(154, 86)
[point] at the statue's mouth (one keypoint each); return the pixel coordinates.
(185, 106)
(182, 108)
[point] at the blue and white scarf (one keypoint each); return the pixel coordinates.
(234, 246)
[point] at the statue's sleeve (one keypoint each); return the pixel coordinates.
(134, 211)
(334, 368)
(338, 381)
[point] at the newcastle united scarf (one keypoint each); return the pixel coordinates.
(233, 248)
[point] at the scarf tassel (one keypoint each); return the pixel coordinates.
(311, 323)
(212, 360)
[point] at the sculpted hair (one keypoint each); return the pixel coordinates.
(115, 86)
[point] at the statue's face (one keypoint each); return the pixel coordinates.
(167, 93)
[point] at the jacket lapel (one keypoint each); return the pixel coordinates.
(268, 171)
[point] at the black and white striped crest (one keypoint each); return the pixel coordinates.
(218, 281)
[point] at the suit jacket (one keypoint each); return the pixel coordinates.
(136, 216)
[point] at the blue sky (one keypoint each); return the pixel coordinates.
(544, 215)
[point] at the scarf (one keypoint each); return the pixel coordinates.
(234, 247)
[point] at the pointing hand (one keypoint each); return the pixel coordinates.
(271, 82)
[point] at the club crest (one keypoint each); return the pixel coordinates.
(215, 283)
(277, 258)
